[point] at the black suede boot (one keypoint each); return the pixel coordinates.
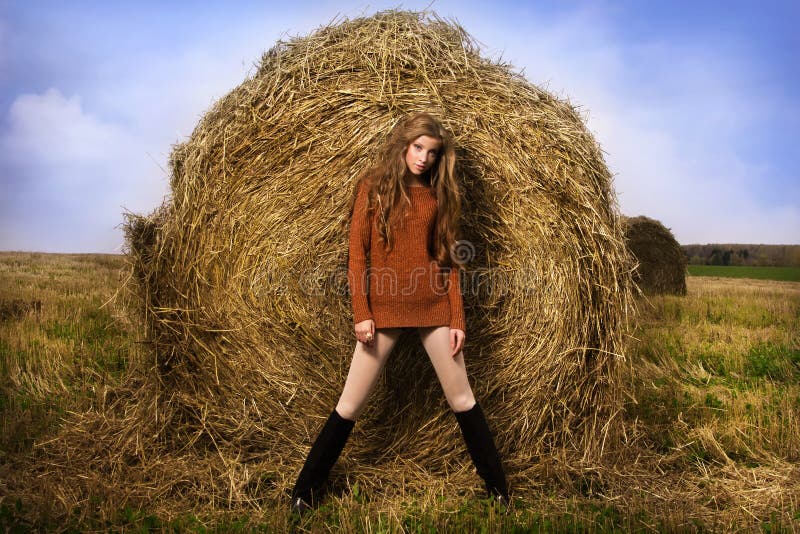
(320, 460)
(481, 447)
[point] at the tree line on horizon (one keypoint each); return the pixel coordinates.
(749, 255)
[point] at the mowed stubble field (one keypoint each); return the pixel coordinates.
(712, 413)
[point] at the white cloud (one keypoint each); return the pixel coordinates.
(67, 172)
(53, 131)
(67, 175)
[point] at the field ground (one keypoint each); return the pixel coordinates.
(712, 417)
(787, 274)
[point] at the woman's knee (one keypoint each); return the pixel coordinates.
(461, 402)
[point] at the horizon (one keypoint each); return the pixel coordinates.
(123, 253)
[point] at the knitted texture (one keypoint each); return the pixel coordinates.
(406, 286)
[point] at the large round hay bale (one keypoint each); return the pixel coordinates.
(241, 277)
(662, 262)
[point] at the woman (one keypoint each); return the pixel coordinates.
(405, 217)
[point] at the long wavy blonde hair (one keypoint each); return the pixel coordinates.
(388, 194)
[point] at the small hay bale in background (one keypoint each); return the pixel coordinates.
(662, 262)
(240, 279)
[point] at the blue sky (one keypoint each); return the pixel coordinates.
(696, 104)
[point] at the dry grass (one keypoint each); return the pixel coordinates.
(60, 349)
(712, 438)
(716, 382)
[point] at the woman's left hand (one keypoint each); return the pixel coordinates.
(457, 338)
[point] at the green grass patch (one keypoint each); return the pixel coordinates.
(786, 274)
(774, 362)
(714, 362)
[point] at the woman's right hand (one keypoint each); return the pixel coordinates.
(365, 332)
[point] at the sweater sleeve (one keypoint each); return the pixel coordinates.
(456, 300)
(360, 230)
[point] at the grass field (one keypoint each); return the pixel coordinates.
(786, 274)
(712, 419)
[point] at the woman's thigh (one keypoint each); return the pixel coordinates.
(451, 371)
(365, 369)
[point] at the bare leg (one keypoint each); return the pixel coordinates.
(365, 369)
(452, 372)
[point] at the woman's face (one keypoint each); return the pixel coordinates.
(421, 154)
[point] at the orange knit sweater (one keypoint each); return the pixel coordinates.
(405, 287)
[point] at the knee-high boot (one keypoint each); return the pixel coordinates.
(483, 452)
(323, 454)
